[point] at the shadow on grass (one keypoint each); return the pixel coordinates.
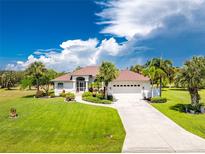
(9, 89)
(179, 107)
(178, 89)
(28, 96)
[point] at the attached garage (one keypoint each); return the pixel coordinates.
(129, 83)
(126, 87)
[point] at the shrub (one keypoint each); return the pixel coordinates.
(51, 91)
(87, 93)
(39, 94)
(91, 99)
(194, 109)
(100, 95)
(52, 95)
(96, 100)
(104, 101)
(63, 94)
(70, 96)
(158, 99)
(110, 97)
(94, 94)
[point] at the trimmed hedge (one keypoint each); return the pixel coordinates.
(158, 99)
(104, 101)
(87, 93)
(96, 100)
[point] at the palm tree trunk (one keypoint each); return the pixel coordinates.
(37, 85)
(194, 96)
(160, 87)
(105, 91)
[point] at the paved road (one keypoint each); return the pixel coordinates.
(148, 130)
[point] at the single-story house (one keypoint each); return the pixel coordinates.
(127, 82)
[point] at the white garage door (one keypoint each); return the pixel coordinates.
(126, 88)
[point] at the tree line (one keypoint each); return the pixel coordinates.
(36, 75)
(161, 72)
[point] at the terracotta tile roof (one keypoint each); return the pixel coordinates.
(88, 70)
(124, 75)
(127, 75)
(66, 77)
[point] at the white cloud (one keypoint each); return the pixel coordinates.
(38, 53)
(110, 46)
(129, 18)
(133, 19)
(74, 53)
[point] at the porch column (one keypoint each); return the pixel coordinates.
(74, 86)
(86, 85)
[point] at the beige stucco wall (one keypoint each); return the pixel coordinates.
(67, 86)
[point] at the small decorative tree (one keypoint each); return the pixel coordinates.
(107, 73)
(192, 77)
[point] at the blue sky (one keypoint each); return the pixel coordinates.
(64, 34)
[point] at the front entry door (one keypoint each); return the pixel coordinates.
(81, 86)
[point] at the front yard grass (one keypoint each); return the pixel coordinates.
(51, 125)
(175, 99)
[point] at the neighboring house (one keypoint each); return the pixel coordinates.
(127, 82)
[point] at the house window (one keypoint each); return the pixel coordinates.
(131, 85)
(121, 85)
(138, 85)
(60, 85)
(114, 85)
(117, 85)
(124, 85)
(128, 85)
(135, 85)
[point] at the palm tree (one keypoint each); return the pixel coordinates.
(154, 73)
(171, 72)
(137, 68)
(36, 70)
(107, 73)
(192, 77)
(157, 70)
(45, 79)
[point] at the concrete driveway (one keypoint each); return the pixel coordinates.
(148, 130)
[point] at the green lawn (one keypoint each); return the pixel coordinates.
(51, 125)
(176, 97)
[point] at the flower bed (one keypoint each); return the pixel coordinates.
(95, 98)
